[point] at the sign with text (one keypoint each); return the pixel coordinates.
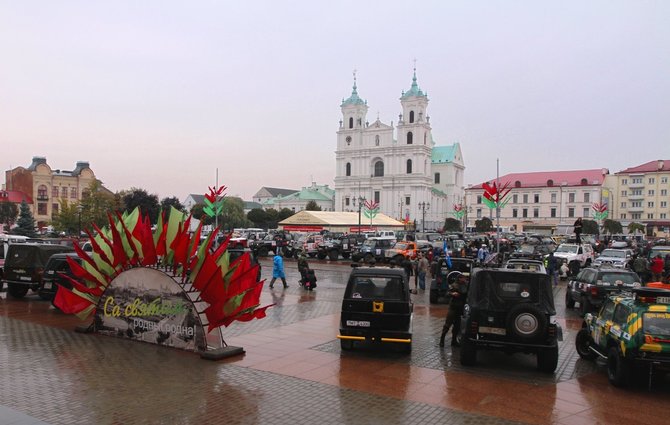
(291, 228)
(146, 304)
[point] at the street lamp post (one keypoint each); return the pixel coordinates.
(79, 208)
(360, 206)
(423, 206)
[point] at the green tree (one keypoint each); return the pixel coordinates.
(312, 206)
(483, 225)
(8, 213)
(95, 204)
(636, 228)
(612, 226)
(284, 214)
(452, 225)
(273, 218)
(590, 227)
(148, 204)
(172, 201)
(25, 225)
(233, 213)
(258, 216)
(67, 219)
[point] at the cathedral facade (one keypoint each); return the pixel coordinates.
(401, 168)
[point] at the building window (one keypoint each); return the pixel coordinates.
(585, 212)
(571, 197)
(515, 213)
(552, 212)
(636, 192)
(587, 197)
(664, 204)
(525, 198)
(624, 181)
(479, 213)
(636, 180)
(571, 212)
(409, 166)
(54, 209)
(379, 169)
(437, 178)
(622, 216)
(377, 140)
(664, 192)
(351, 122)
(410, 137)
(663, 215)
(650, 204)
(515, 199)
(377, 198)
(63, 192)
(553, 197)
(624, 193)
(347, 171)
(536, 212)
(73, 193)
(536, 198)
(623, 205)
(664, 179)
(650, 216)
(411, 117)
(42, 192)
(652, 180)
(524, 212)
(636, 216)
(479, 199)
(41, 208)
(54, 192)
(346, 202)
(651, 192)
(407, 199)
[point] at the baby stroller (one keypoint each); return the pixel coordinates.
(308, 279)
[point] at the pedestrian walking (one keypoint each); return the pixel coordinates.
(458, 292)
(278, 270)
(578, 230)
(423, 267)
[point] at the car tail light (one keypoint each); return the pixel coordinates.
(594, 290)
(474, 327)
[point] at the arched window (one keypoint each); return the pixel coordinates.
(411, 117)
(348, 169)
(410, 137)
(437, 178)
(409, 166)
(41, 192)
(377, 140)
(379, 169)
(351, 122)
(517, 183)
(584, 182)
(550, 183)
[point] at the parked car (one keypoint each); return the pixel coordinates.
(593, 285)
(342, 246)
(402, 250)
(632, 333)
(376, 308)
(657, 250)
(55, 270)
(577, 256)
(619, 258)
(372, 248)
(532, 251)
(24, 266)
(5, 241)
(524, 264)
(236, 253)
(512, 311)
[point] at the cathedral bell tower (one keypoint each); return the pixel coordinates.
(414, 123)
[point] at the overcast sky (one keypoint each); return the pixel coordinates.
(159, 94)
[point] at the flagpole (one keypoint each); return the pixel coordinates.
(216, 216)
(498, 208)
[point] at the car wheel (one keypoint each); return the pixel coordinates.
(585, 306)
(468, 353)
(333, 255)
(569, 302)
(45, 296)
(526, 321)
(368, 257)
(398, 259)
(433, 296)
(618, 370)
(321, 255)
(17, 291)
(547, 359)
(406, 348)
(346, 344)
(583, 344)
(345, 255)
(311, 254)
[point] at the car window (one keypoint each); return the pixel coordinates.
(615, 278)
(384, 287)
(516, 291)
(620, 314)
(608, 310)
(657, 324)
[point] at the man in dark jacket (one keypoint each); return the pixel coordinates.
(458, 292)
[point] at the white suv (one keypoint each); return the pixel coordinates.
(574, 255)
(619, 258)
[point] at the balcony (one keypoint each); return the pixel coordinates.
(636, 185)
(42, 198)
(635, 209)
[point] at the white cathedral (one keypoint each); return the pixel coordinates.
(409, 176)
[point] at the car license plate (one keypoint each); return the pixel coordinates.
(25, 278)
(490, 330)
(359, 323)
(345, 246)
(47, 285)
(663, 300)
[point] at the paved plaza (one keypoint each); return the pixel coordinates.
(293, 372)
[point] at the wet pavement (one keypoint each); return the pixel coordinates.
(293, 372)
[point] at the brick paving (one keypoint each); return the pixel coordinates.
(294, 372)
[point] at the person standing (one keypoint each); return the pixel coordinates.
(656, 268)
(423, 267)
(578, 230)
(458, 292)
(641, 267)
(278, 270)
(552, 269)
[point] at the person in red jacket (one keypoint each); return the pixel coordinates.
(656, 268)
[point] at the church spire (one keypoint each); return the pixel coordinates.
(414, 90)
(354, 99)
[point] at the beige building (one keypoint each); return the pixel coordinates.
(640, 194)
(48, 187)
(541, 201)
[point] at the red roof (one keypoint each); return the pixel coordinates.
(649, 167)
(555, 178)
(14, 196)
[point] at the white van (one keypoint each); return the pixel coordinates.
(385, 234)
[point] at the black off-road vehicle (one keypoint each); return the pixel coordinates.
(593, 285)
(54, 274)
(24, 266)
(376, 308)
(511, 311)
(445, 276)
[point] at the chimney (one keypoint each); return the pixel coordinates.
(660, 165)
